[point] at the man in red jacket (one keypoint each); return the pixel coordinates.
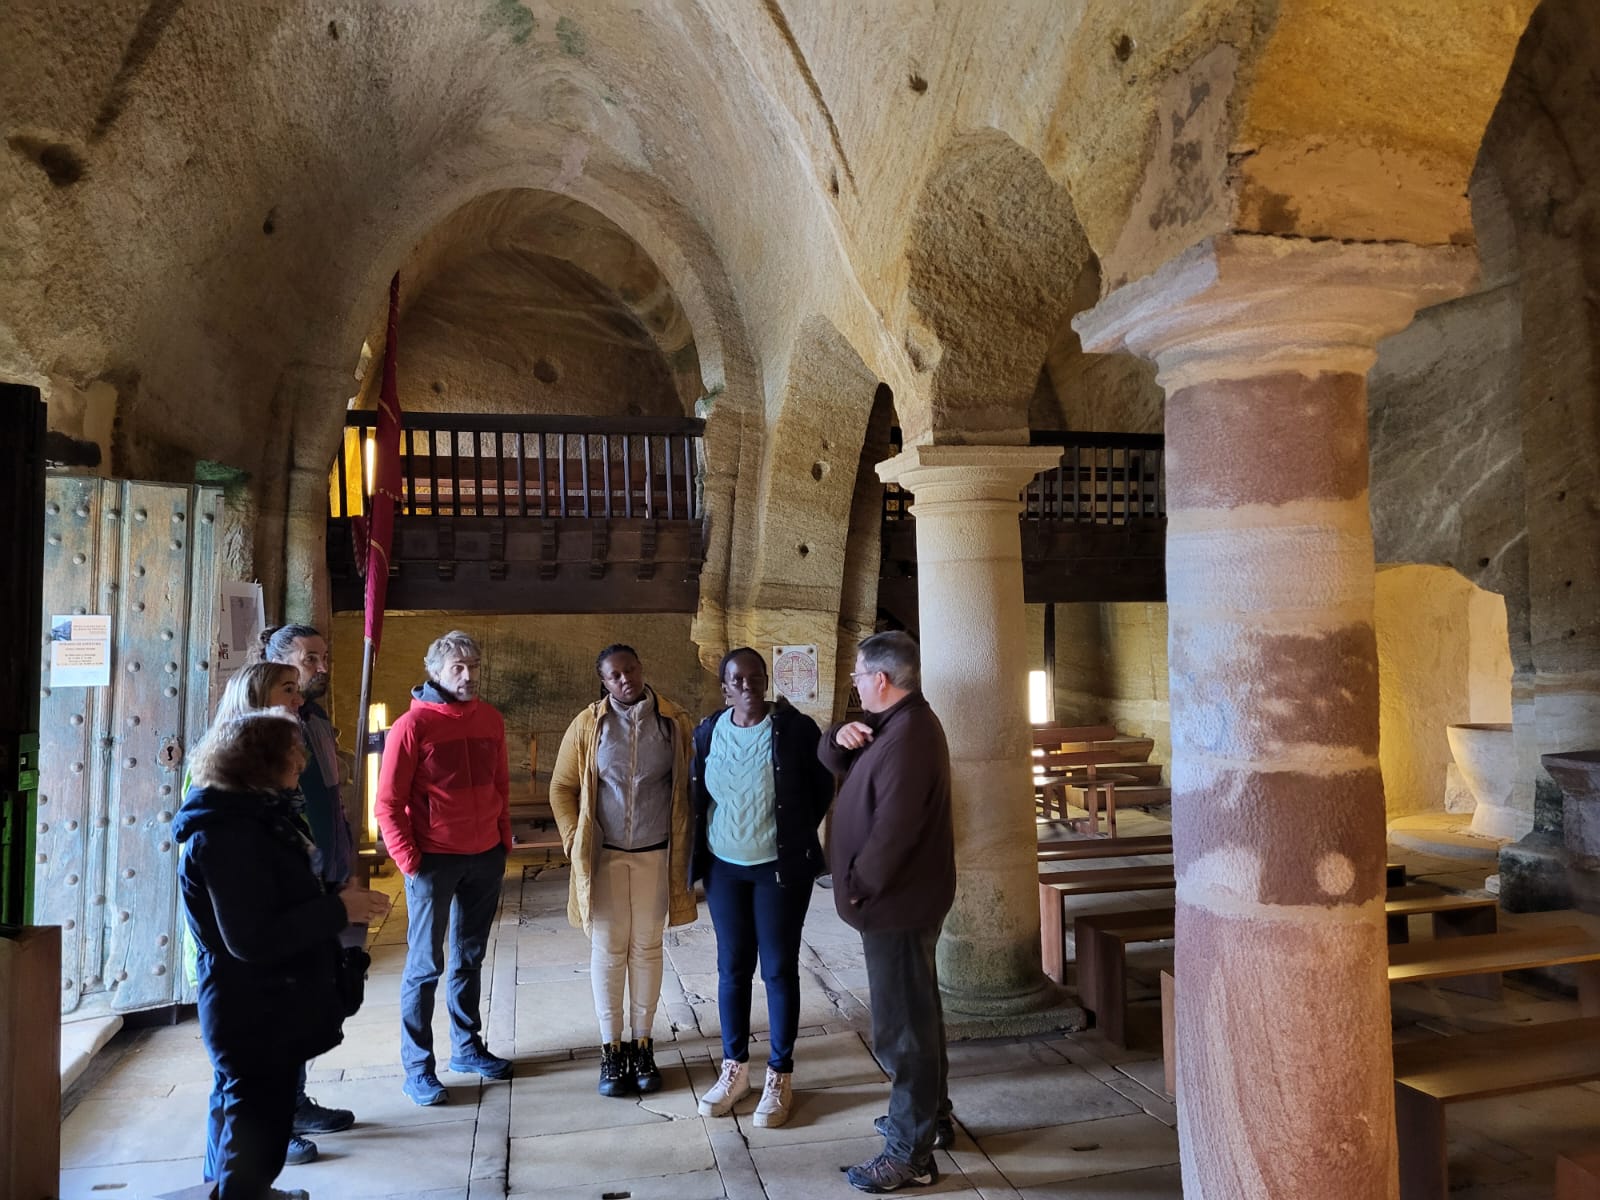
(444, 809)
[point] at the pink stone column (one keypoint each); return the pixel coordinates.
(1285, 1085)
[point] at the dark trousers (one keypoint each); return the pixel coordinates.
(755, 914)
(455, 895)
(214, 1117)
(249, 1137)
(908, 1036)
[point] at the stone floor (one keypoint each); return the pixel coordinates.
(1050, 1116)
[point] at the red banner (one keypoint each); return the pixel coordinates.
(385, 476)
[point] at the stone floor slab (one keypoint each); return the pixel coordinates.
(1153, 1183)
(390, 1160)
(805, 1172)
(569, 1160)
(991, 1104)
(1081, 1150)
(563, 1098)
(689, 1185)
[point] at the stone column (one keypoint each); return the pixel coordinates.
(975, 674)
(1285, 1085)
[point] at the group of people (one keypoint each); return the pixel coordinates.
(648, 806)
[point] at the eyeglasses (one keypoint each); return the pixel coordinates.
(861, 674)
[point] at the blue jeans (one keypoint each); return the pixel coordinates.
(457, 894)
(753, 913)
(214, 1117)
(908, 1036)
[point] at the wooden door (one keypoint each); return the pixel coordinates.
(111, 758)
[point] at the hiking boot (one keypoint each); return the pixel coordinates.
(288, 1194)
(944, 1131)
(478, 1061)
(732, 1086)
(425, 1089)
(616, 1069)
(301, 1152)
(646, 1076)
(885, 1174)
(311, 1117)
(777, 1099)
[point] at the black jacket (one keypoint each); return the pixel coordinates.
(804, 792)
(267, 930)
(893, 842)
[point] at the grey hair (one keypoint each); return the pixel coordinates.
(897, 655)
(449, 647)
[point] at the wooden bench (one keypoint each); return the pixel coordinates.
(1054, 888)
(1074, 849)
(1430, 1074)
(1101, 943)
(1055, 801)
(1453, 915)
(1497, 953)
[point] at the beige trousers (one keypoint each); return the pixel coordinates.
(627, 917)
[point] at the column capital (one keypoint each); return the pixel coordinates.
(1241, 305)
(942, 473)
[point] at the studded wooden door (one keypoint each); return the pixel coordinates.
(111, 758)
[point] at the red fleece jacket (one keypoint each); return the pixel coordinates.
(445, 787)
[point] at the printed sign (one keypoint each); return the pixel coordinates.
(80, 651)
(794, 673)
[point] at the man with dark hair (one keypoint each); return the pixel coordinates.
(306, 650)
(892, 853)
(444, 806)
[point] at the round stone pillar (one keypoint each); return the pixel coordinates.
(975, 674)
(1285, 1082)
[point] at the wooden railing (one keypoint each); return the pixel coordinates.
(1103, 479)
(499, 465)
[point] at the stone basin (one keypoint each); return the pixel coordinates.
(1577, 772)
(1487, 757)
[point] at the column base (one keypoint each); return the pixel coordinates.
(1533, 874)
(1051, 1009)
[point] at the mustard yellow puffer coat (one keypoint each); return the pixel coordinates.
(572, 799)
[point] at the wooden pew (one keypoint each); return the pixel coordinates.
(1430, 1074)
(1054, 888)
(1497, 953)
(1101, 942)
(1453, 915)
(1074, 849)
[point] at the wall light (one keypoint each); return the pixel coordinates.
(377, 723)
(1038, 701)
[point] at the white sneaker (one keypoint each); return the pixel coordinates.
(732, 1086)
(777, 1098)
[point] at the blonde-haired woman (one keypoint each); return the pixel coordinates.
(268, 936)
(257, 687)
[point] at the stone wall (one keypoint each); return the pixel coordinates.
(1111, 666)
(537, 670)
(1443, 659)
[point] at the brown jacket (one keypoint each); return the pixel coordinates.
(892, 844)
(572, 800)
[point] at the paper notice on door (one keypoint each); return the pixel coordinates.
(80, 651)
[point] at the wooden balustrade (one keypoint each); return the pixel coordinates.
(1103, 479)
(494, 465)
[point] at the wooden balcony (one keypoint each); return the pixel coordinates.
(1094, 529)
(528, 514)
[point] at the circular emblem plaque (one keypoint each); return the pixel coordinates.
(794, 672)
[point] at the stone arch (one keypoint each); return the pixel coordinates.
(811, 462)
(994, 257)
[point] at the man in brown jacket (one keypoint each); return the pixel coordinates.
(892, 853)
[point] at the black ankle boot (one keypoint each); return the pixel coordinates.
(645, 1075)
(616, 1074)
